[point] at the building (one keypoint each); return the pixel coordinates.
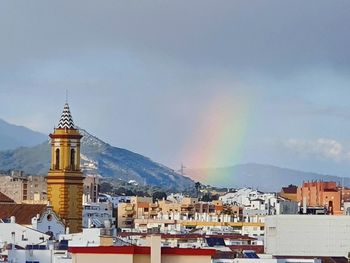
(92, 187)
(321, 194)
(142, 215)
(32, 189)
(65, 179)
(307, 235)
(38, 254)
(24, 188)
(115, 200)
(290, 192)
(19, 235)
(153, 253)
(20, 213)
(137, 208)
(98, 215)
(48, 222)
(35, 216)
(195, 240)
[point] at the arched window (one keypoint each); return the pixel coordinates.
(57, 163)
(72, 159)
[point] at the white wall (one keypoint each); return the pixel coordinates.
(22, 235)
(49, 221)
(30, 255)
(90, 237)
(307, 235)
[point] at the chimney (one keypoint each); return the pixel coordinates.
(13, 237)
(13, 219)
(304, 205)
(154, 242)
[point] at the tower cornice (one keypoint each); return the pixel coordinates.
(65, 136)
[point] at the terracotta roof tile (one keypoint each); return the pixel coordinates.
(22, 212)
(5, 199)
(291, 189)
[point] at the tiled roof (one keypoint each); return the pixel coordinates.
(66, 120)
(22, 212)
(5, 199)
(291, 189)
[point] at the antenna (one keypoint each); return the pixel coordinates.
(182, 169)
(66, 95)
(342, 192)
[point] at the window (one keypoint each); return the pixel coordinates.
(57, 163)
(72, 159)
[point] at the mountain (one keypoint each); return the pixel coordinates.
(14, 136)
(97, 157)
(260, 176)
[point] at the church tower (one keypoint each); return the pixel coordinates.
(65, 179)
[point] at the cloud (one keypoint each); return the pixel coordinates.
(262, 36)
(329, 149)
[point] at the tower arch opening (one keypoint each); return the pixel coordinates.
(57, 159)
(72, 159)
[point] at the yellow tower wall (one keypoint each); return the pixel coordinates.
(65, 181)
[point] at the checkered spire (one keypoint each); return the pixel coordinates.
(66, 120)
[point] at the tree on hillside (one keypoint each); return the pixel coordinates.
(197, 185)
(106, 187)
(159, 195)
(206, 198)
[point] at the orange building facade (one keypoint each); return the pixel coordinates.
(318, 194)
(321, 194)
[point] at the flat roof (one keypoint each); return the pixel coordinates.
(190, 236)
(140, 250)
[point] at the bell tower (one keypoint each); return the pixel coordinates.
(65, 179)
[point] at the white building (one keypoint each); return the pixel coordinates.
(49, 223)
(98, 215)
(307, 235)
(115, 200)
(257, 205)
(12, 233)
(90, 237)
(175, 198)
(35, 255)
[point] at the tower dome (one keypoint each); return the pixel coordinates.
(66, 120)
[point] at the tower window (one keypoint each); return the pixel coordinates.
(72, 159)
(57, 163)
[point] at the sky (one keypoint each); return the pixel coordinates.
(193, 82)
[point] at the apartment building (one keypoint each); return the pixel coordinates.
(321, 194)
(318, 197)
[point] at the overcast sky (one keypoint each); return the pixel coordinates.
(203, 83)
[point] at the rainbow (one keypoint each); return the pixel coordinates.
(219, 138)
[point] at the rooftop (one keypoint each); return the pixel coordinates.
(191, 236)
(140, 250)
(22, 212)
(5, 199)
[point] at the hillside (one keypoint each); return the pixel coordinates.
(14, 136)
(97, 157)
(263, 177)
